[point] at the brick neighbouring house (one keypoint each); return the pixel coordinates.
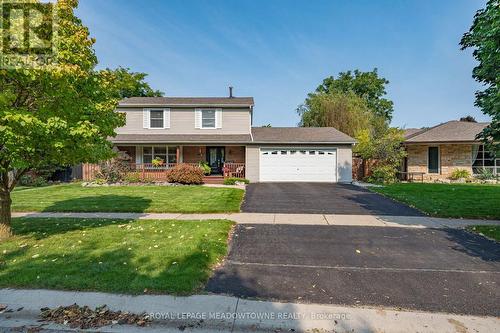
(438, 151)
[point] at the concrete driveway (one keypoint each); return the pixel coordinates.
(446, 270)
(320, 198)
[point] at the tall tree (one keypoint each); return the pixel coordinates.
(55, 113)
(367, 85)
(347, 112)
(132, 84)
(484, 38)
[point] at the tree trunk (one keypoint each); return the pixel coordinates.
(5, 215)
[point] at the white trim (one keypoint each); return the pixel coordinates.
(146, 118)
(298, 149)
(439, 160)
(218, 118)
(201, 118)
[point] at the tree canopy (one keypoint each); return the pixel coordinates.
(367, 85)
(484, 38)
(59, 112)
(347, 112)
(131, 84)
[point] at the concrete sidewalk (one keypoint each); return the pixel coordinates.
(210, 313)
(299, 219)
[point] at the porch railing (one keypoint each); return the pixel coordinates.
(148, 171)
(232, 169)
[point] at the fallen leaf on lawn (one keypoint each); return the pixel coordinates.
(35, 256)
(358, 251)
(156, 245)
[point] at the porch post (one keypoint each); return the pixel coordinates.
(178, 154)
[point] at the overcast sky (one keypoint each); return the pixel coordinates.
(279, 50)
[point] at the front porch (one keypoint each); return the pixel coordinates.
(150, 162)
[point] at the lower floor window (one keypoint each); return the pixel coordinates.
(433, 160)
(163, 154)
(484, 161)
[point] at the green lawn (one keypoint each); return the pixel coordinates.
(448, 200)
(490, 231)
(129, 256)
(157, 199)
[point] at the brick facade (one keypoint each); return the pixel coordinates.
(451, 157)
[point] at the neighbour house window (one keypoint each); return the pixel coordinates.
(156, 119)
(208, 118)
(433, 160)
(483, 160)
(165, 153)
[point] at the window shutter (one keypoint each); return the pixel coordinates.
(218, 118)
(166, 118)
(145, 118)
(197, 118)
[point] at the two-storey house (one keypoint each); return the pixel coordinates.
(219, 130)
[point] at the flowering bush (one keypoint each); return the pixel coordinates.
(185, 174)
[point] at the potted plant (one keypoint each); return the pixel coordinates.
(157, 162)
(205, 167)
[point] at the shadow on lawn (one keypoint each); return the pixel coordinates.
(40, 228)
(116, 270)
(101, 203)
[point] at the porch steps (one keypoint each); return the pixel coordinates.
(213, 179)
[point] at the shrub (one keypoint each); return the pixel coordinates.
(383, 174)
(185, 174)
(115, 169)
(485, 174)
(133, 177)
(460, 173)
(205, 167)
(234, 180)
(31, 179)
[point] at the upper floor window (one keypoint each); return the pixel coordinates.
(156, 119)
(208, 118)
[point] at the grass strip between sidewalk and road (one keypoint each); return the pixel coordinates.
(474, 201)
(126, 256)
(128, 199)
(490, 231)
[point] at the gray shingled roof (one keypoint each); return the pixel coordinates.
(187, 101)
(299, 135)
(181, 138)
(408, 132)
(285, 135)
(451, 131)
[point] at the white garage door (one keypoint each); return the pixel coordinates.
(298, 165)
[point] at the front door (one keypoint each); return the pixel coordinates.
(215, 158)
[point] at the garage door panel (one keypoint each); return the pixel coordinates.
(298, 164)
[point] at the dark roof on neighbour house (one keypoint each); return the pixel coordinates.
(187, 101)
(300, 135)
(451, 131)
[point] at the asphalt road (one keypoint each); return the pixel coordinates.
(446, 270)
(320, 198)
